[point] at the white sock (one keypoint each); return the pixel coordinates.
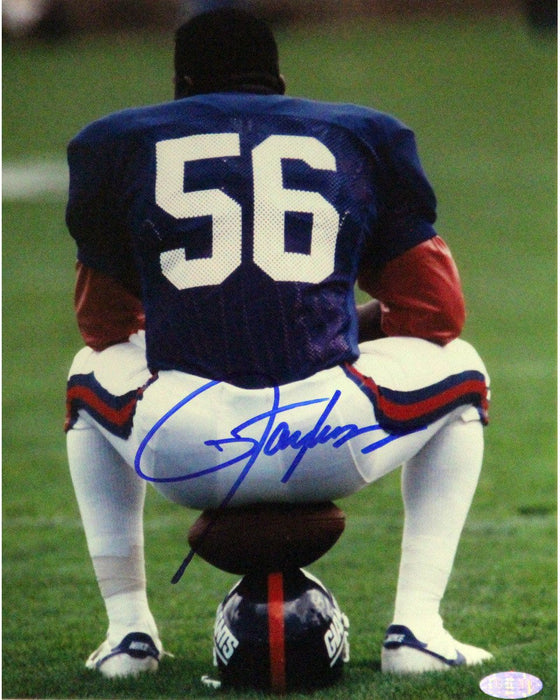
(110, 497)
(438, 485)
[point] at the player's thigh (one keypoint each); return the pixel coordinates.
(430, 386)
(102, 392)
(407, 364)
(117, 370)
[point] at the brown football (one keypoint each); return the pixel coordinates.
(266, 537)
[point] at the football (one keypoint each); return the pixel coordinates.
(266, 537)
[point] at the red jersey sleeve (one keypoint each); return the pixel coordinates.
(420, 293)
(107, 313)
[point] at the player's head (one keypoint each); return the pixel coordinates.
(224, 50)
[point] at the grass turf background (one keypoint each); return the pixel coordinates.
(481, 96)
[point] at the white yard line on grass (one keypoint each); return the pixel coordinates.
(34, 179)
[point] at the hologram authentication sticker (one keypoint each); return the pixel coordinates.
(511, 684)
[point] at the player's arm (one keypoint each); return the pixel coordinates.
(107, 312)
(107, 295)
(405, 265)
(417, 293)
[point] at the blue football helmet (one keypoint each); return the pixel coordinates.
(280, 632)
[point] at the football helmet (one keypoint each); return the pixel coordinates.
(280, 632)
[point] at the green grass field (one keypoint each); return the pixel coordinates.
(481, 96)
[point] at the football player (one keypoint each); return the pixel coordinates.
(220, 236)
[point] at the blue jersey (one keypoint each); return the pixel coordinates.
(242, 222)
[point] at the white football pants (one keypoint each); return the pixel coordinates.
(206, 444)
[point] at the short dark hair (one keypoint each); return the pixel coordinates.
(224, 49)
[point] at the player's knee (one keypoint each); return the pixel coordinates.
(82, 360)
(468, 357)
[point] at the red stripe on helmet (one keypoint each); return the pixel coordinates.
(276, 636)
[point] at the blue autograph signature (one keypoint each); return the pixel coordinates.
(276, 436)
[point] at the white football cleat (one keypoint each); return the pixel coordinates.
(402, 652)
(137, 653)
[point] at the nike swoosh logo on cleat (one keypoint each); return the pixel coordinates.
(459, 660)
(398, 635)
